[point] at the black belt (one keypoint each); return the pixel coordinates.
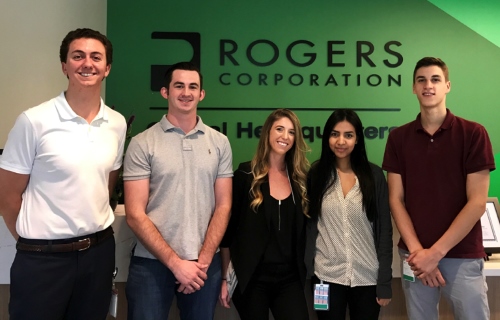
(64, 245)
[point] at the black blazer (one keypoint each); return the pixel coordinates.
(248, 232)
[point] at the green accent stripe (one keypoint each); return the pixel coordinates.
(320, 306)
(408, 278)
(482, 16)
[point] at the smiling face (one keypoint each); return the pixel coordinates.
(282, 136)
(431, 87)
(343, 140)
(86, 64)
(184, 92)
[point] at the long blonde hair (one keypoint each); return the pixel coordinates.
(295, 159)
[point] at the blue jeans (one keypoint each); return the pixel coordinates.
(151, 288)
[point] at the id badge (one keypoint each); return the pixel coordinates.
(321, 293)
(408, 274)
(113, 305)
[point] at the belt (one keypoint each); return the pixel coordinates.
(75, 244)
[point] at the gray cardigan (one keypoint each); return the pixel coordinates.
(382, 231)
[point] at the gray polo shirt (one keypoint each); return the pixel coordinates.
(182, 169)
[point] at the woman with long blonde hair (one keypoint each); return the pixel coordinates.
(265, 238)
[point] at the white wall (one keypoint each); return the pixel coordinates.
(31, 32)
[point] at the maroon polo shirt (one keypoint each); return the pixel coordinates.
(434, 171)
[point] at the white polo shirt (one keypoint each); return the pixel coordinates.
(69, 161)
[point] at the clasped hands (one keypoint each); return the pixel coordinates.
(424, 263)
(190, 275)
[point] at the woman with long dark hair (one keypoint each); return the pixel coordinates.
(349, 235)
(265, 238)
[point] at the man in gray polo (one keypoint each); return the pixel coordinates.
(178, 182)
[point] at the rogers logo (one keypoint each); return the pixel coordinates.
(158, 70)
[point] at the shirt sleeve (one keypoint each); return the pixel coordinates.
(137, 164)
(480, 154)
(225, 161)
(121, 146)
(239, 194)
(384, 229)
(20, 150)
(390, 163)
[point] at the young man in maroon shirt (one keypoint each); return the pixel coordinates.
(438, 173)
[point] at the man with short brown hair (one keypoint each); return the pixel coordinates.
(60, 163)
(438, 174)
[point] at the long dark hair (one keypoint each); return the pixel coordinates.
(324, 173)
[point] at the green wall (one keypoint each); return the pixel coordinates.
(411, 29)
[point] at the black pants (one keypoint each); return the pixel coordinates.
(71, 285)
(361, 301)
(283, 294)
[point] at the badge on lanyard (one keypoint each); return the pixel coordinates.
(408, 274)
(321, 293)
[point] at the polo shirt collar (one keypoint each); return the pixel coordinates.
(67, 113)
(447, 123)
(168, 126)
